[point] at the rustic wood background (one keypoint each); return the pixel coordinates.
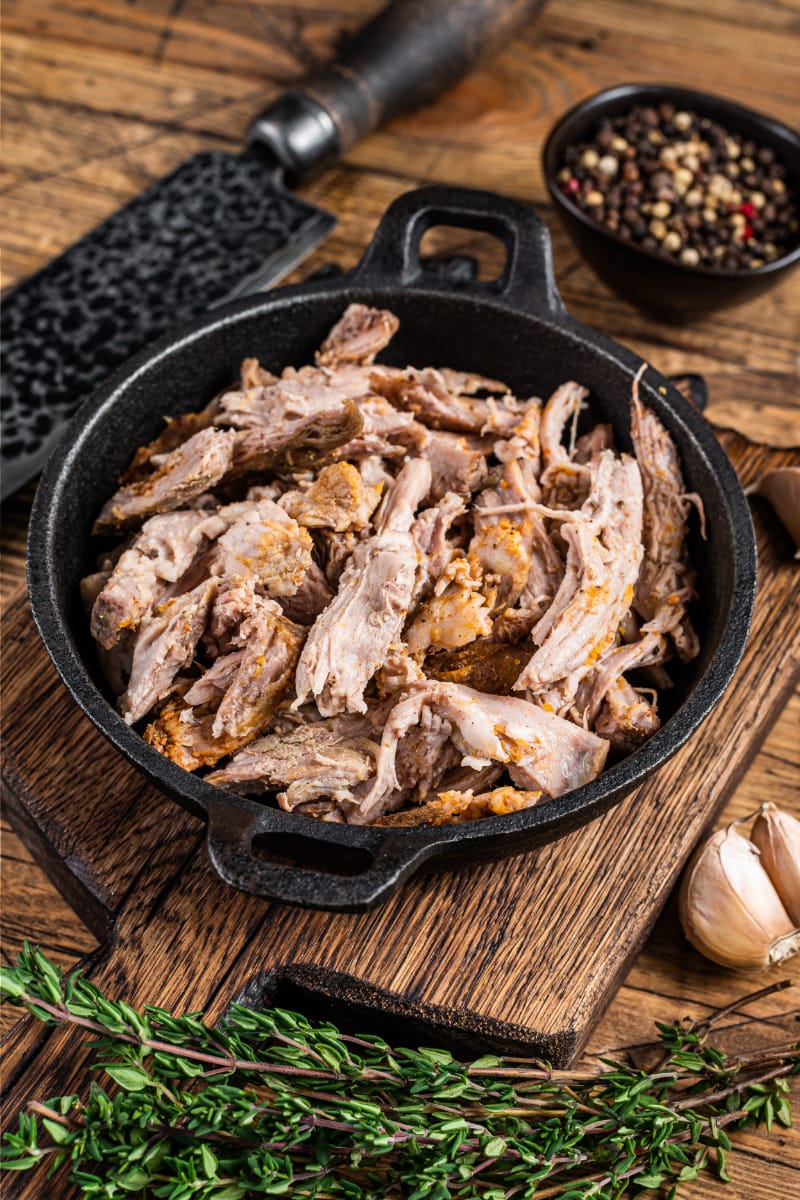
(102, 97)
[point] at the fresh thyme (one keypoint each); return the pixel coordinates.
(267, 1104)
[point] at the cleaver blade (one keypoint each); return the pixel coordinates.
(221, 225)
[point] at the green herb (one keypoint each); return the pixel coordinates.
(267, 1104)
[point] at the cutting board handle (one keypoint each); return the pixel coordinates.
(409, 53)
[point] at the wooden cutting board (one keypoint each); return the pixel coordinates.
(522, 955)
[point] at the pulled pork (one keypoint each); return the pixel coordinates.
(391, 595)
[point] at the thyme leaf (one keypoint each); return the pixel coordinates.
(269, 1104)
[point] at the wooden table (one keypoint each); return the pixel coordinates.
(103, 97)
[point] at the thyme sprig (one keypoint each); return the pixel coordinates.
(268, 1104)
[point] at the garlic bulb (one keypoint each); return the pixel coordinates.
(777, 836)
(729, 908)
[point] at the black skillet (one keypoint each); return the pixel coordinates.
(515, 328)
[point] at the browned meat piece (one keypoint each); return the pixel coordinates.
(425, 394)
(590, 444)
(503, 540)
(603, 560)
(374, 472)
(180, 429)
(116, 664)
(665, 587)
(464, 383)
(424, 756)
(630, 631)
(431, 397)
(161, 553)
(165, 646)
(295, 440)
(172, 541)
(236, 698)
(544, 578)
(177, 430)
(451, 808)
(523, 442)
(542, 750)
(397, 671)
(286, 404)
(91, 587)
(214, 683)
(131, 591)
(455, 465)
(400, 502)
(564, 405)
(565, 485)
(489, 667)
(348, 642)
(263, 671)
(429, 532)
(253, 375)
(382, 423)
(500, 552)
(455, 614)
(458, 464)
(264, 545)
(337, 499)
(231, 606)
(357, 336)
(338, 549)
(649, 650)
(193, 468)
(626, 719)
(468, 779)
(311, 598)
(309, 763)
(184, 736)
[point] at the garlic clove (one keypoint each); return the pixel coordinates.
(777, 836)
(782, 488)
(729, 908)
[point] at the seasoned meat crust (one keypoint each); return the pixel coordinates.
(350, 639)
(189, 470)
(398, 595)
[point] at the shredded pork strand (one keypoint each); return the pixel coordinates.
(665, 586)
(394, 595)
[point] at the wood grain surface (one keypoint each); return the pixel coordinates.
(102, 97)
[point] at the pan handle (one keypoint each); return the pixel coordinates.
(527, 281)
(387, 861)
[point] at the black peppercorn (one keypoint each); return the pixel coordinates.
(684, 187)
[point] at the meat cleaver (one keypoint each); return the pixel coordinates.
(221, 225)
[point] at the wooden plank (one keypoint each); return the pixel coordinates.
(101, 97)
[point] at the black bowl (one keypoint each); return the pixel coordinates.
(667, 289)
(514, 327)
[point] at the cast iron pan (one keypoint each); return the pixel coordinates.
(515, 328)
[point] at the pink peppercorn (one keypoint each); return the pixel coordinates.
(748, 210)
(571, 186)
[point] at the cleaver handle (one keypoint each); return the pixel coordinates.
(402, 59)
